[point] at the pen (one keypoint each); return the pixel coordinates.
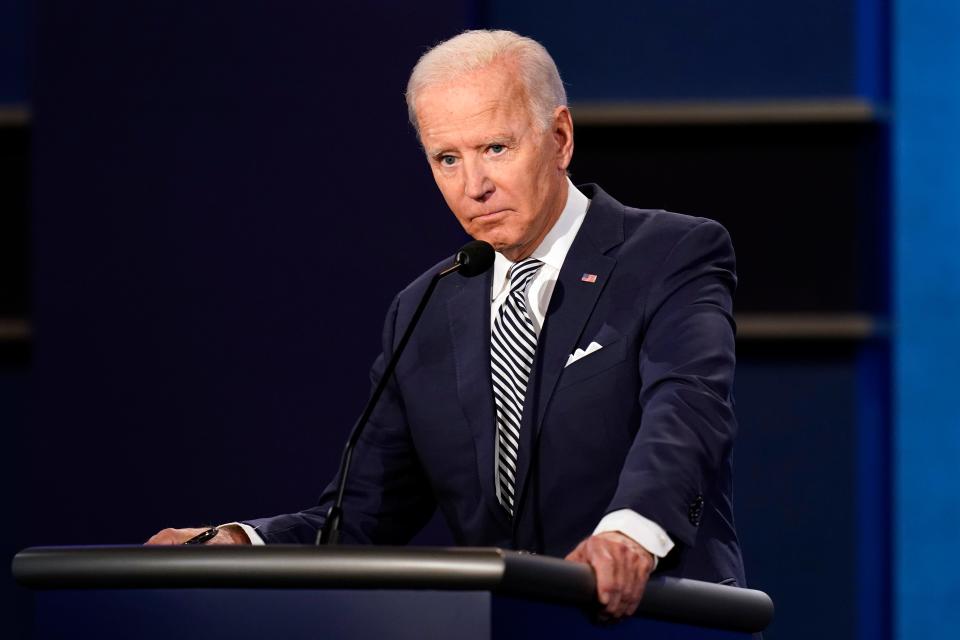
(204, 536)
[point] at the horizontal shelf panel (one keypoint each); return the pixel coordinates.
(667, 112)
(809, 326)
(750, 326)
(14, 115)
(15, 330)
(711, 112)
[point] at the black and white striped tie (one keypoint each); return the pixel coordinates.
(513, 343)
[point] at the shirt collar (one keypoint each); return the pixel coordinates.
(552, 251)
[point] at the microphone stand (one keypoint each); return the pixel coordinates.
(330, 532)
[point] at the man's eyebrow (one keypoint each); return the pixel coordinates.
(505, 139)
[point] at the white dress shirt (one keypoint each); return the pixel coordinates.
(552, 251)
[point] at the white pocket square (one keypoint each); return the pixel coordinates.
(580, 353)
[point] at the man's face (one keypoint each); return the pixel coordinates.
(503, 178)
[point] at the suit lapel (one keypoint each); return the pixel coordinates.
(571, 305)
(469, 314)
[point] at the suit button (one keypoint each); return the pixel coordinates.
(695, 512)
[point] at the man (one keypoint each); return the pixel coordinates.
(576, 400)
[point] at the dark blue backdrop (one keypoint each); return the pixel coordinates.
(226, 197)
(213, 186)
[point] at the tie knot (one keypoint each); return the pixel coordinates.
(522, 272)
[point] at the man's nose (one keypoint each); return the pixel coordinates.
(478, 185)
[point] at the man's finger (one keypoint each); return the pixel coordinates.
(173, 536)
(165, 536)
(642, 566)
(633, 587)
(626, 576)
(606, 571)
(577, 554)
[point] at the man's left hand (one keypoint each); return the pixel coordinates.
(622, 568)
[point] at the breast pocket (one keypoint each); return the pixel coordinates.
(607, 357)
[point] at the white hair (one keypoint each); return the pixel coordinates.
(477, 49)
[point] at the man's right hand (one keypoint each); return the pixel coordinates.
(230, 534)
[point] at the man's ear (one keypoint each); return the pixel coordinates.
(563, 136)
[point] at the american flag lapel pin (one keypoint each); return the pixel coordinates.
(588, 277)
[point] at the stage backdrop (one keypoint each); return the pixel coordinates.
(226, 196)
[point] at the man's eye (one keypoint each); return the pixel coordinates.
(497, 148)
(448, 160)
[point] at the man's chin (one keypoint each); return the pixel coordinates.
(498, 245)
(506, 246)
(512, 251)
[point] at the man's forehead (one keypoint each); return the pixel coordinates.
(451, 117)
(444, 138)
(469, 110)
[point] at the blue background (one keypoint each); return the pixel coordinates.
(224, 197)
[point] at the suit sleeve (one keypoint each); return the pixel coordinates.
(387, 498)
(686, 365)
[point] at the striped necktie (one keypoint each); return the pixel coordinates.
(513, 343)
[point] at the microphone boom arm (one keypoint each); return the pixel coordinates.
(469, 261)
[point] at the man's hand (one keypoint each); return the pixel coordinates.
(622, 568)
(230, 534)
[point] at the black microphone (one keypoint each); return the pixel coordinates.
(473, 259)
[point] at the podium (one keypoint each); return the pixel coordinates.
(295, 592)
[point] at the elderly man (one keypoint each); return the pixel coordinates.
(576, 401)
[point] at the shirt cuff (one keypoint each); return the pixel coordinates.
(255, 538)
(645, 532)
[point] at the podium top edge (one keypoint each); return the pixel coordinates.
(499, 571)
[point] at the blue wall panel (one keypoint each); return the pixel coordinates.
(796, 486)
(14, 51)
(872, 500)
(609, 50)
(926, 93)
(14, 496)
(872, 49)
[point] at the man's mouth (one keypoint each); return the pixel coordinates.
(489, 216)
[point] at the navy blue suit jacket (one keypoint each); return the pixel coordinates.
(645, 423)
